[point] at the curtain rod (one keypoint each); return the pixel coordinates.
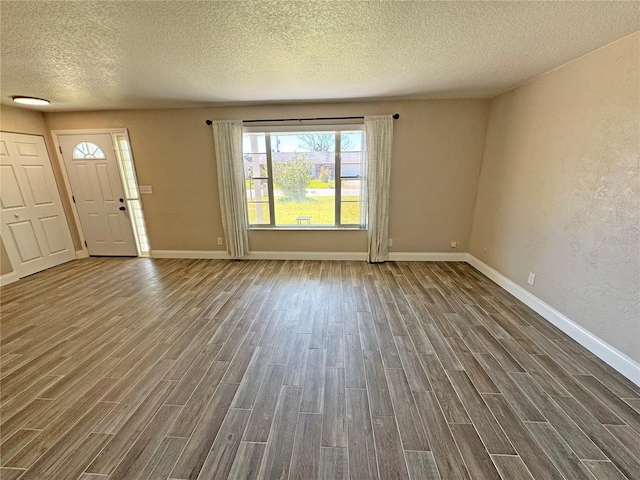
(395, 117)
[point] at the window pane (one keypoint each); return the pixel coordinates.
(352, 141)
(315, 211)
(135, 208)
(304, 179)
(352, 164)
(257, 190)
(352, 154)
(351, 206)
(258, 213)
(351, 189)
(303, 142)
(258, 202)
(87, 150)
(351, 213)
(255, 165)
(254, 143)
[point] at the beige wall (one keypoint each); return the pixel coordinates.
(558, 194)
(5, 263)
(436, 162)
(19, 120)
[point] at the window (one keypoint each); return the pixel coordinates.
(87, 151)
(305, 177)
(127, 171)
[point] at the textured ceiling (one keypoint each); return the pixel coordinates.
(112, 55)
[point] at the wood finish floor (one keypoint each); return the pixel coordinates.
(186, 369)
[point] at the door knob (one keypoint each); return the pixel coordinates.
(122, 208)
(16, 215)
(121, 200)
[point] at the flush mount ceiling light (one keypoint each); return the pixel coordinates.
(30, 100)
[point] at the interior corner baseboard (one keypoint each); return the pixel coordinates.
(428, 256)
(82, 254)
(8, 278)
(610, 355)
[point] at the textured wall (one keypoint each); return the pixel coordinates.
(436, 163)
(559, 190)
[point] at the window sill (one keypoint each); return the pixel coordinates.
(307, 229)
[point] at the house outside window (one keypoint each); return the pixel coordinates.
(305, 177)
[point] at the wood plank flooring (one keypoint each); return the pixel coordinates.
(193, 369)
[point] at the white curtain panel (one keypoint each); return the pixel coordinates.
(379, 133)
(227, 139)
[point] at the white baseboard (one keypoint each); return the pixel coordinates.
(8, 278)
(259, 255)
(610, 355)
(82, 254)
(202, 254)
(276, 255)
(428, 256)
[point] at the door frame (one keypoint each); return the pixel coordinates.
(90, 131)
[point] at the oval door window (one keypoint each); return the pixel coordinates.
(87, 151)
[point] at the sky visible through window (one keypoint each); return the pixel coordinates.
(290, 142)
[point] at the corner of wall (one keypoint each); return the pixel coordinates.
(484, 152)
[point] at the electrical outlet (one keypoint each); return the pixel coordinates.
(390, 242)
(219, 240)
(455, 245)
(532, 279)
(145, 189)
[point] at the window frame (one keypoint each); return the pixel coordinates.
(337, 130)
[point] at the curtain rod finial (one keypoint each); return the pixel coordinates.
(396, 116)
(209, 122)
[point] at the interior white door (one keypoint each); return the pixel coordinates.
(34, 227)
(97, 189)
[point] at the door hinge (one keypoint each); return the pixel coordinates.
(60, 148)
(85, 243)
(73, 198)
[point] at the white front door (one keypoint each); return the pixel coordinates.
(97, 190)
(34, 227)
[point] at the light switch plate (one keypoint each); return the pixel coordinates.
(146, 190)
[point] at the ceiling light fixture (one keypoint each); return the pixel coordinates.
(30, 100)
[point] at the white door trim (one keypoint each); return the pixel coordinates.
(65, 175)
